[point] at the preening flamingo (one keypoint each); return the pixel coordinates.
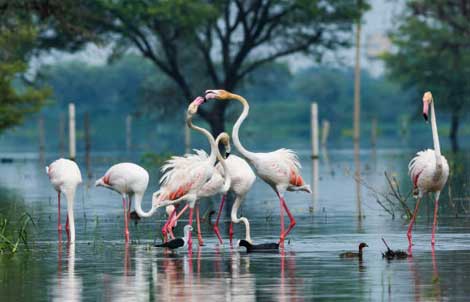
(280, 169)
(129, 180)
(65, 176)
(428, 170)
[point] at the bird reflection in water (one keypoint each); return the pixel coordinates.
(67, 286)
(288, 292)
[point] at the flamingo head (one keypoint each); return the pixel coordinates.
(427, 100)
(225, 139)
(192, 108)
(219, 94)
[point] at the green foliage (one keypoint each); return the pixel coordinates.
(12, 235)
(17, 98)
(433, 54)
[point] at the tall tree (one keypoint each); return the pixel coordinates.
(433, 53)
(217, 43)
(19, 96)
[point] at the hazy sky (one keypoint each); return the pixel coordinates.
(376, 23)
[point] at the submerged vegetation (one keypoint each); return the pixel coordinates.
(12, 234)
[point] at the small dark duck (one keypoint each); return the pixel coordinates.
(393, 254)
(354, 254)
(259, 248)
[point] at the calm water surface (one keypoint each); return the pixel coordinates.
(101, 267)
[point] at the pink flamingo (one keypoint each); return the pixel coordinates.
(428, 170)
(184, 176)
(240, 178)
(216, 184)
(129, 180)
(280, 169)
(65, 176)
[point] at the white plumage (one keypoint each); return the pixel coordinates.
(428, 171)
(130, 181)
(65, 176)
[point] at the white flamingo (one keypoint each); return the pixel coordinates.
(428, 170)
(280, 169)
(242, 179)
(130, 181)
(65, 176)
(184, 176)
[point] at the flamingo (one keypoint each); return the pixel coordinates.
(239, 180)
(65, 176)
(184, 176)
(428, 170)
(280, 169)
(216, 184)
(129, 180)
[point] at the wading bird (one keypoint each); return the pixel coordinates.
(65, 175)
(129, 180)
(216, 184)
(184, 176)
(428, 170)
(280, 169)
(240, 179)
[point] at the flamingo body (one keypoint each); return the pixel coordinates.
(65, 176)
(129, 180)
(424, 173)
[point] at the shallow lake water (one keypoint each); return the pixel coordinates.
(100, 266)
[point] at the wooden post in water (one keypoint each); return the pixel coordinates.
(62, 134)
(42, 139)
(357, 82)
(72, 146)
(187, 139)
(128, 132)
(325, 132)
(86, 122)
(373, 132)
(314, 127)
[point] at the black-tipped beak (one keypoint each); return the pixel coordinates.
(425, 117)
(227, 154)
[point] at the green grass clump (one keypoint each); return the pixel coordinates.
(11, 235)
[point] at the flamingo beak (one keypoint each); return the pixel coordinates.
(425, 110)
(210, 94)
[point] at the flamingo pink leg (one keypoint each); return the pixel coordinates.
(190, 240)
(291, 218)
(230, 232)
(199, 233)
(67, 228)
(281, 205)
(410, 227)
(126, 226)
(165, 226)
(59, 225)
(172, 222)
(216, 225)
(129, 209)
(436, 208)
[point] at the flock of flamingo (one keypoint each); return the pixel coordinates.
(194, 176)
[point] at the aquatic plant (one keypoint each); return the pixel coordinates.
(11, 235)
(392, 198)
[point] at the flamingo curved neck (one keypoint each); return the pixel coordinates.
(210, 138)
(138, 207)
(236, 140)
(227, 179)
(435, 136)
(235, 219)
